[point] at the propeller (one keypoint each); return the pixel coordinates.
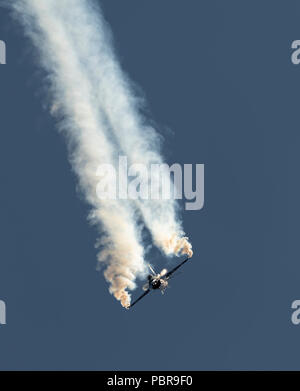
(159, 275)
(163, 272)
(152, 270)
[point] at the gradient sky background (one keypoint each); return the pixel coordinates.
(220, 83)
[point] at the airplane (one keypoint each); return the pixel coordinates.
(157, 281)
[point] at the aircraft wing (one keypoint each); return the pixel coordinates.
(168, 275)
(139, 298)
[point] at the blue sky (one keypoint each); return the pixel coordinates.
(221, 86)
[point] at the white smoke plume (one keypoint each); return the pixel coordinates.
(137, 140)
(100, 117)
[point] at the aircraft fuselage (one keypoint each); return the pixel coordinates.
(154, 283)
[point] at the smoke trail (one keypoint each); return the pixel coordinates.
(138, 141)
(100, 118)
(84, 125)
